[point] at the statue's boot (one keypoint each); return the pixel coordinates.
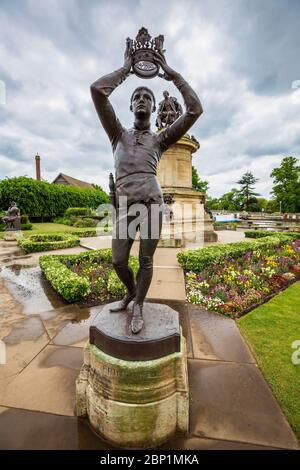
(123, 304)
(137, 321)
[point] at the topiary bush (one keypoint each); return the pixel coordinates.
(45, 242)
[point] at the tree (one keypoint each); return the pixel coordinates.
(231, 201)
(286, 185)
(197, 183)
(247, 193)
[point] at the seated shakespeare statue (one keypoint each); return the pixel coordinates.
(12, 220)
(137, 152)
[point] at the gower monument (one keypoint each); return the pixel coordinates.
(133, 384)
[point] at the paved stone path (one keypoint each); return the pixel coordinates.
(231, 405)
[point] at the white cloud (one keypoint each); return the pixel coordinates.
(50, 52)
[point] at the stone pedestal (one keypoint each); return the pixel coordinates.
(188, 222)
(134, 388)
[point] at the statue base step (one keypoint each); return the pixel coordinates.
(137, 404)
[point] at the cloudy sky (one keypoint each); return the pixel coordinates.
(241, 56)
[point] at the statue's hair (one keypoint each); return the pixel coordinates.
(144, 88)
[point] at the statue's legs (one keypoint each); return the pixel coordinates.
(120, 255)
(148, 243)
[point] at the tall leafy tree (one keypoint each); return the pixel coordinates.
(286, 187)
(247, 193)
(197, 183)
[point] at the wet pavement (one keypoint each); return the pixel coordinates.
(231, 405)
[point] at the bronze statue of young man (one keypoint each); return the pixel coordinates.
(137, 152)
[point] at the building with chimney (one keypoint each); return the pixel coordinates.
(70, 181)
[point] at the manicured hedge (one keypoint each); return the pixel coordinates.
(73, 287)
(40, 198)
(78, 211)
(196, 260)
(70, 286)
(267, 233)
(45, 242)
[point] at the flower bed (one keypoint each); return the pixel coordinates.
(87, 276)
(234, 278)
(50, 241)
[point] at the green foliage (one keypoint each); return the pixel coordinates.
(25, 219)
(267, 233)
(39, 198)
(86, 222)
(197, 260)
(247, 193)
(68, 284)
(78, 211)
(45, 242)
(26, 226)
(197, 183)
(73, 287)
(286, 187)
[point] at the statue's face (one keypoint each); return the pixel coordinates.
(142, 104)
(166, 94)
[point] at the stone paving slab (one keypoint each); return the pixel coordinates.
(167, 283)
(47, 383)
(77, 333)
(26, 339)
(217, 337)
(233, 402)
(30, 430)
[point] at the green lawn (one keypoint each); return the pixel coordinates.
(50, 227)
(46, 227)
(270, 331)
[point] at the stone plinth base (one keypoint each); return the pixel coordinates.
(135, 404)
(188, 222)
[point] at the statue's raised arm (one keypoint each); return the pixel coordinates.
(102, 88)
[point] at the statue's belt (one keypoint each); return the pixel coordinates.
(123, 179)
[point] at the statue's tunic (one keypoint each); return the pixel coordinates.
(137, 152)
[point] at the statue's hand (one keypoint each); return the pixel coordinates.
(128, 55)
(169, 73)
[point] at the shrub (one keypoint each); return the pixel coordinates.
(70, 286)
(25, 219)
(86, 222)
(267, 233)
(27, 226)
(78, 211)
(61, 220)
(45, 242)
(196, 260)
(40, 198)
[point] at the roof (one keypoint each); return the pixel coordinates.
(73, 181)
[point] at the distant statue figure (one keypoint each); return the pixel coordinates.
(168, 111)
(12, 220)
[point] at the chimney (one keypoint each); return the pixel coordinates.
(38, 166)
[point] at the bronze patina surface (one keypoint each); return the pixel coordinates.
(159, 337)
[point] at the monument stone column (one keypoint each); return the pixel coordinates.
(189, 222)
